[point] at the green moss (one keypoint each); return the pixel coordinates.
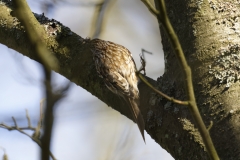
(188, 126)
(226, 69)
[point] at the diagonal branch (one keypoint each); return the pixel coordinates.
(21, 130)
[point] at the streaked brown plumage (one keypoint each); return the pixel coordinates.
(114, 63)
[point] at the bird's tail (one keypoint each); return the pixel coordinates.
(138, 118)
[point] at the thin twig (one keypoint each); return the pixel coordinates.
(2, 125)
(37, 131)
(15, 122)
(5, 157)
(3, 149)
(142, 68)
(188, 74)
(210, 126)
(11, 128)
(162, 94)
(41, 113)
(151, 8)
(143, 61)
(28, 119)
(164, 20)
(98, 20)
(21, 130)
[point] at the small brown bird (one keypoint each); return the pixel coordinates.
(114, 63)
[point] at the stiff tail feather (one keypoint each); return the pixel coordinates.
(138, 118)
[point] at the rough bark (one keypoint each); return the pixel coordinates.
(208, 32)
(209, 35)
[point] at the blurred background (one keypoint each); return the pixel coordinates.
(85, 128)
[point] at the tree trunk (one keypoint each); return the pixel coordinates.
(209, 35)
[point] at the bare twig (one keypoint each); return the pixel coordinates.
(21, 130)
(162, 94)
(28, 119)
(4, 153)
(4, 150)
(210, 126)
(142, 68)
(15, 122)
(11, 128)
(37, 131)
(164, 20)
(98, 19)
(151, 8)
(143, 61)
